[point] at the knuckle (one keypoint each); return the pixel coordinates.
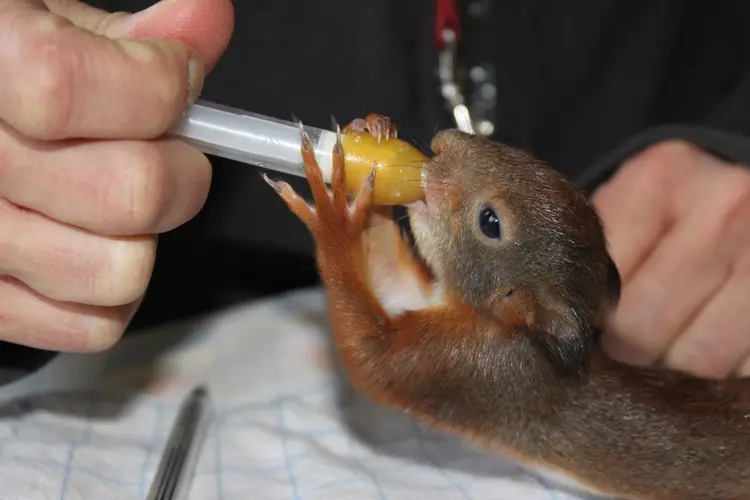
(83, 329)
(742, 267)
(671, 150)
(735, 189)
(170, 58)
(142, 184)
(171, 93)
(661, 160)
(44, 97)
(644, 325)
(657, 172)
(131, 262)
(10, 252)
(27, 319)
(733, 202)
(701, 356)
(165, 62)
(106, 331)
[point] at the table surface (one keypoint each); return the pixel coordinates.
(287, 424)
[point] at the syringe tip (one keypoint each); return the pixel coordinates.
(398, 166)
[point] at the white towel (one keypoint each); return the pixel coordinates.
(287, 425)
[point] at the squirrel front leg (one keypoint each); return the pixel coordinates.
(400, 280)
(413, 361)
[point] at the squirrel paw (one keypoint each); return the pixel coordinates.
(378, 126)
(332, 220)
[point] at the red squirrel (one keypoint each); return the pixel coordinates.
(489, 328)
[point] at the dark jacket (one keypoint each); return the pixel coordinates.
(581, 84)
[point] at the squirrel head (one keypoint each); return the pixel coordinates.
(506, 233)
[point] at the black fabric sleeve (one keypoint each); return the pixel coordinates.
(730, 146)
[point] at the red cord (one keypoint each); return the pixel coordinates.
(446, 16)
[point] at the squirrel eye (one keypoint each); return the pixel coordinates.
(489, 223)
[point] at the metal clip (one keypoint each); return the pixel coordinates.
(449, 88)
(452, 93)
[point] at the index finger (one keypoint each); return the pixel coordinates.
(58, 81)
(635, 205)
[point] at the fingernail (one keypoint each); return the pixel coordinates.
(196, 75)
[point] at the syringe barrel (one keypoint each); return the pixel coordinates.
(254, 139)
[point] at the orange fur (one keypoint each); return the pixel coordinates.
(507, 362)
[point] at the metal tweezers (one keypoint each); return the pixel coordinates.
(180, 457)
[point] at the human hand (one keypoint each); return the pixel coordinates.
(87, 178)
(678, 224)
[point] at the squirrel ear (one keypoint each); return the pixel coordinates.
(568, 350)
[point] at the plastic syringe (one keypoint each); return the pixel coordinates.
(276, 144)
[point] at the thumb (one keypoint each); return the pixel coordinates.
(204, 25)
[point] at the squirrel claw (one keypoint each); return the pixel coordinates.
(332, 216)
(294, 201)
(351, 217)
(378, 126)
(363, 201)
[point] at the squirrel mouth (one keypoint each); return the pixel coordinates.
(420, 220)
(419, 224)
(418, 209)
(419, 228)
